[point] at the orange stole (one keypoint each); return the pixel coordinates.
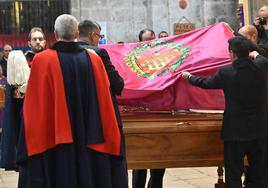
(46, 117)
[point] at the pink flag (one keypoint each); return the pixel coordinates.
(151, 69)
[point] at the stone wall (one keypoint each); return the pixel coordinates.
(220, 10)
(125, 18)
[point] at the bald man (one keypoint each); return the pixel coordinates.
(261, 24)
(250, 32)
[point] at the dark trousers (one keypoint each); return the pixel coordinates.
(155, 181)
(234, 153)
(247, 174)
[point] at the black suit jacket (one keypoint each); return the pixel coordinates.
(116, 81)
(244, 85)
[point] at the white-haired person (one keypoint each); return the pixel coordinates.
(70, 136)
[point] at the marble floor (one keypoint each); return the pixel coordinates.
(174, 178)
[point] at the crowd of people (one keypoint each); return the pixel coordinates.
(60, 103)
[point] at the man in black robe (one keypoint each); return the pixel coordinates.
(70, 137)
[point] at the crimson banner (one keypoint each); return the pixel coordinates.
(151, 69)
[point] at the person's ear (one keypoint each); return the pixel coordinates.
(90, 36)
(234, 55)
(56, 35)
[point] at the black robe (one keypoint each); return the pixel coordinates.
(74, 165)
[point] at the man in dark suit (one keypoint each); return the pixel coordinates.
(245, 120)
(251, 33)
(89, 37)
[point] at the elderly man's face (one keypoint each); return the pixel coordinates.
(37, 42)
(6, 50)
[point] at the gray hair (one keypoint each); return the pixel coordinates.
(66, 26)
(87, 26)
(262, 9)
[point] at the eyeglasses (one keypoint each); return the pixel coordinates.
(100, 36)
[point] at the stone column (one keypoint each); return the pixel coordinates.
(221, 10)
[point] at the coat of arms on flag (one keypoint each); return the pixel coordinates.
(156, 58)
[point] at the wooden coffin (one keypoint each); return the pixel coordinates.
(165, 140)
